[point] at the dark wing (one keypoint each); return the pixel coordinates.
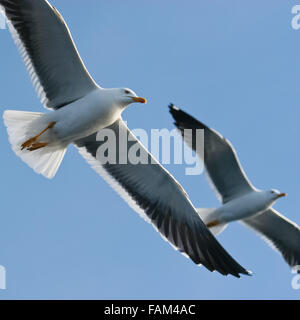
(150, 190)
(281, 233)
(49, 52)
(220, 159)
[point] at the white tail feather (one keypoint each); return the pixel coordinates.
(22, 126)
(207, 215)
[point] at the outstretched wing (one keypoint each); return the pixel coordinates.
(281, 233)
(220, 159)
(49, 52)
(150, 190)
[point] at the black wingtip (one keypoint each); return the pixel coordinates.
(184, 120)
(249, 273)
(242, 272)
(177, 113)
(172, 106)
(245, 272)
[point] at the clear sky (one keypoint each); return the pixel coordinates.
(235, 66)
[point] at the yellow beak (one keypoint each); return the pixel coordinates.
(140, 100)
(282, 195)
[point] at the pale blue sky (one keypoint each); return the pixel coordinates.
(234, 65)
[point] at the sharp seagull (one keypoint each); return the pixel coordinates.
(241, 201)
(81, 109)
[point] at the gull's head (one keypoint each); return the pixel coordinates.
(125, 97)
(273, 195)
(264, 199)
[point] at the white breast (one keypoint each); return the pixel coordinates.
(85, 116)
(243, 207)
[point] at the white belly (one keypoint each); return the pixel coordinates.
(242, 207)
(82, 118)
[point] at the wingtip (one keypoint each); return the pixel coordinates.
(249, 273)
(172, 107)
(245, 272)
(237, 274)
(175, 112)
(241, 273)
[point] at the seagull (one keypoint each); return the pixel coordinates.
(241, 200)
(81, 110)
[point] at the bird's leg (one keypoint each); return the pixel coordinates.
(31, 145)
(213, 223)
(37, 145)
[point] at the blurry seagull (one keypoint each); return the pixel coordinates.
(241, 201)
(81, 109)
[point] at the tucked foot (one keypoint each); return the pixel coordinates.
(213, 223)
(31, 145)
(28, 143)
(37, 146)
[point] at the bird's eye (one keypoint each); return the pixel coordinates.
(127, 91)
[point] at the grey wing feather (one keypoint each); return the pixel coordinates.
(278, 231)
(220, 159)
(48, 50)
(149, 189)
